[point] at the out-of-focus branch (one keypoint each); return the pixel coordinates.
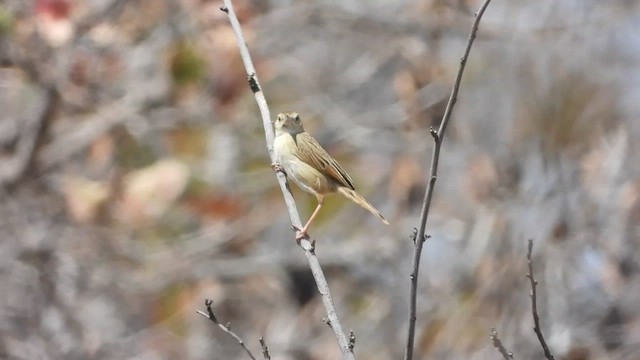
(95, 125)
(226, 328)
(507, 355)
(438, 136)
(534, 304)
(13, 169)
(26, 154)
(112, 9)
(265, 349)
(307, 245)
(32, 131)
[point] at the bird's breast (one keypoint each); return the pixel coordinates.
(304, 175)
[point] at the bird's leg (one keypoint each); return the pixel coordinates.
(301, 234)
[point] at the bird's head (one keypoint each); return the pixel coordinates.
(289, 122)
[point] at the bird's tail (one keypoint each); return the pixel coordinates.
(356, 198)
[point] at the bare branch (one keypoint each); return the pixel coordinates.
(306, 244)
(92, 127)
(265, 349)
(211, 316)
(438, 137)
(507, 355)
(534, 304)
(111, 9)
(31, 135)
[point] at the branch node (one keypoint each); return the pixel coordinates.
(327, 322)
(253, 83)
(352, 340)
(427, 236)
(507, 355)
(207, 304)
(414, 235)
(265, 349)
(224, 9)
(434, 133)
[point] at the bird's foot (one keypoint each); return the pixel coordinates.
(300, 234)
(277, 167)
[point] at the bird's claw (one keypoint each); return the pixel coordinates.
(277, 167)
(300, 234)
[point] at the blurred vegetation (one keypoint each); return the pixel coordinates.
(136, 182)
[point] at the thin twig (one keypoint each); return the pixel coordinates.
(438, 137)
(307, 245)
(265, 349)
(211, 316)
(506, 354)
(534, 304)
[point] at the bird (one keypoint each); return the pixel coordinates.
(303, 160)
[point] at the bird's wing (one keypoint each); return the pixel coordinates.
(313, 154)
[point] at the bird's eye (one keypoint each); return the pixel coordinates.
(297, 118)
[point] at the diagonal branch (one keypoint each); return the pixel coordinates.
(438, 137)
(506, 354)
(307, 245)
(227, 329)
(111, 9)
(265, 349)
(534, 304)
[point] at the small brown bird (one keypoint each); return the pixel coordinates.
(311, 167)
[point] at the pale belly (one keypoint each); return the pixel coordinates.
(304, 175)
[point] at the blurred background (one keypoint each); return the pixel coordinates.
(135, 181)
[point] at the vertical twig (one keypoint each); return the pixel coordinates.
(534, 304)
(307, 246)
(438, 137)
(506, 354)
(226, 328)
